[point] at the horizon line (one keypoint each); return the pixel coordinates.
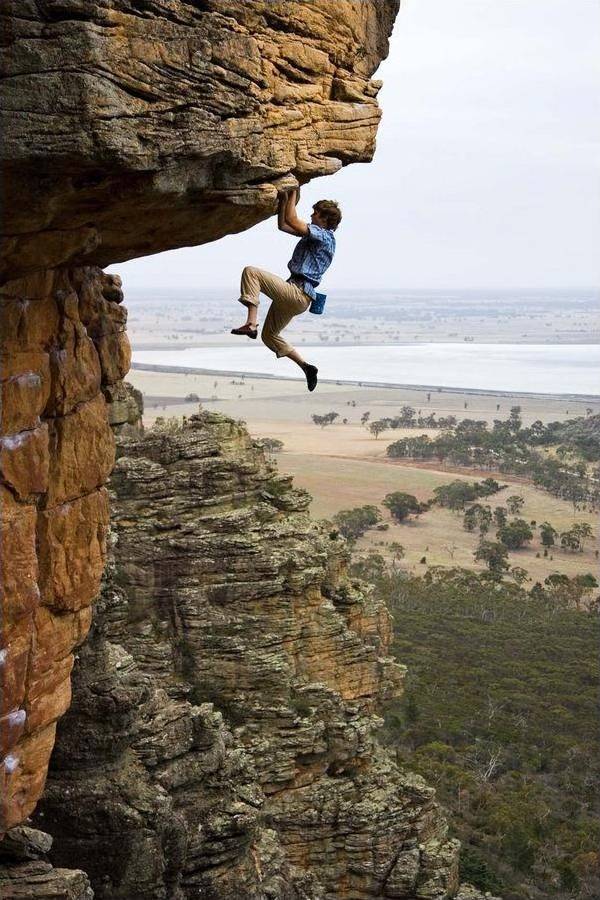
(224, 287)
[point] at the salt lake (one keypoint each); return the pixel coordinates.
(526, 368)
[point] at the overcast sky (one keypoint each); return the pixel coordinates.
(487, 166)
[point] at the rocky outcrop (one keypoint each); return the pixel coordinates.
(128, 128)
(26, 874)
(135, 127)
(221, 741)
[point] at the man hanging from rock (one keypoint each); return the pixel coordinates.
(311, 258)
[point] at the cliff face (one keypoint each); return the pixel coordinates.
(63, 347)
(134, 127)
(221, 740)
(128, 128)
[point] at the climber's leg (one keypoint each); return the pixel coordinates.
(288, 300)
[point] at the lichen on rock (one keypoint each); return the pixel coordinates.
(234, 680)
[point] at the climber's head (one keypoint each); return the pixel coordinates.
(326, 214)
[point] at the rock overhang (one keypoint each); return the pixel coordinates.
(133, 128)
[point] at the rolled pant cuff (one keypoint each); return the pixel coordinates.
(246, 302)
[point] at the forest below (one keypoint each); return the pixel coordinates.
(500, 715)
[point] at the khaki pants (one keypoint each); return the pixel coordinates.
(288, 300)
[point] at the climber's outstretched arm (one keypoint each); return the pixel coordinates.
(281, 211)
(287, 219)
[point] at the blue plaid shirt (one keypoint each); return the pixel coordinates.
(312, 257)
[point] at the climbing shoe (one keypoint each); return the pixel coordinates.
(247, 330)
(311, 376)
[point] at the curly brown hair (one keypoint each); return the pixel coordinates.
(330, 212)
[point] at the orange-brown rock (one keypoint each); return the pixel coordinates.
(81, 451)
(24, 462)
(24, 389)
(18, 561)
(23, 774)
(174, 124)
(72, 550)
(56, 452)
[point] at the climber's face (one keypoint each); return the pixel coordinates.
(318, 219)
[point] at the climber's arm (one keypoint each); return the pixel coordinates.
(291, 223)
(281, 211)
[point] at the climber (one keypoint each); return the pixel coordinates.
(311, 258)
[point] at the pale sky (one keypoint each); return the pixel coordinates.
(487, 169)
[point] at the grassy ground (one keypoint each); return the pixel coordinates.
(344, 466)
(438, 534)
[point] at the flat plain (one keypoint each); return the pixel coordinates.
(343, 465)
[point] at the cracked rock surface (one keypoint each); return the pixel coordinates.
(130, 128)
(222, 736)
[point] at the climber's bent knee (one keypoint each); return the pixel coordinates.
(276, 344)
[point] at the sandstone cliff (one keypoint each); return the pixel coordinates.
(222, 736)
(134, 127)
(128, 128)
(222, 741)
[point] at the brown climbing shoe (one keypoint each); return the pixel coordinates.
(246, 330)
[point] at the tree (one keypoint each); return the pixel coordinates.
(353, 523)
(377, 427)
(583, 530)
(397, 551)
(402, 505)
(327, 419)
(370, 567)
(500, 517)
(570, 591)
(484, 519)
(519, 575)
(571, 539)
(547, 534)
(478, 516)
(494, 555)
(514, 534)
(514, 420)
(489, 486)
(365, 418)
(407, 416)
(515, 504)
(470, 519)
(270, 445)
(455, 494)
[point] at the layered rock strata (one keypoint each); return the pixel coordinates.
(221, 741)
(26, 873)
(134, 127)
(129, 128)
